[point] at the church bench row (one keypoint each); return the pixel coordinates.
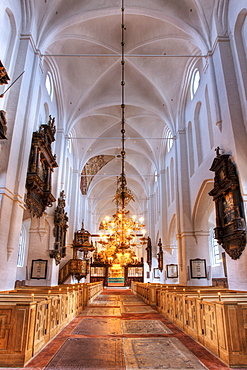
(216, 318)
(31, 316)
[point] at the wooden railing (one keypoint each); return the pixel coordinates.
(215, 317)
(64, 273)
(31, 316)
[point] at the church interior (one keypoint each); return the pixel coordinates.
(123, 178)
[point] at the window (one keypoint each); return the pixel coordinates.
(49, 85)
(215, 253)
(169, 138)
(22, 245)
(195, 81)
(155, 176)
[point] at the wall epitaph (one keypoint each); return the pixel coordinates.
(230, 230)
(4, 78)
(60, 230)
(40, 168)
(160, 256)
(3, 125)
(149, 253)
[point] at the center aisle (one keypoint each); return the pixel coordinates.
(119, 331)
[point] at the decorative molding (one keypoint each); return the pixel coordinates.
(41, 165)
(217, 41)
(91, 168)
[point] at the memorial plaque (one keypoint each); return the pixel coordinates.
(93, 326)
(105, 297)
(89, 353)
(159, 353)
(101, 311)
(105, 303)
(144, 327)
(138, 309)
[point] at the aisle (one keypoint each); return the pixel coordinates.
(119, 331)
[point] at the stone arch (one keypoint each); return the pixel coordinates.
(241, 46)
(203, 207)
(12, 38)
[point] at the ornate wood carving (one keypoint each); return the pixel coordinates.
(149, 253)
(230, 228)
(3, 124)
(60, 230)
(4, 78)
(41, 165)
(160, 256)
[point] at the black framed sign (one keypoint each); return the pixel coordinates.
(39, 269)
(171, 271)
(198, 268)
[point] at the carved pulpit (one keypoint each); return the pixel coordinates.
(79, 267)
(230, 230)
(41, 165)
(60, 230)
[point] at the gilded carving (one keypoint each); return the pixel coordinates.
(60, 230)
(230, 228)
(41, 165)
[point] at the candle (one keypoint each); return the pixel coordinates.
(32, 295)
(198, 293)
(219, 295)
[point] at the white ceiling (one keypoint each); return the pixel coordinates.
(90, 86)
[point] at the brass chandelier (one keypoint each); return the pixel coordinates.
(122, 233)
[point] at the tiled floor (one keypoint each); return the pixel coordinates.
(129, 311)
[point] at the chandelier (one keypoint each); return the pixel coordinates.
(122, 232)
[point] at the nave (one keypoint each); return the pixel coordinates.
(119, 331)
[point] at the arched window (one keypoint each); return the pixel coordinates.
(190, 150)
(155, 176)
(49, 85)
(215, 253)
(22, 246)
(169, 138)
(195, 81)
(172, 178)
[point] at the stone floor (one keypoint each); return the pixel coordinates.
(118, 331)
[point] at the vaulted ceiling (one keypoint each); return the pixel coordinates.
(82, 43)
